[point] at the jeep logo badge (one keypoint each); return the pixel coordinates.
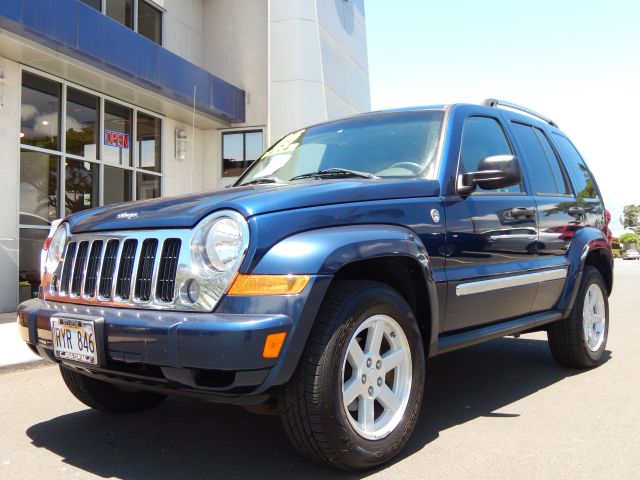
(126, 216)
(435, 215)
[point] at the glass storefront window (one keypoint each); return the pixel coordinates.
(117, 134)
(47, 192)
(82, 124)
(239, 151)
(117, 185)
(148, 137)
(121, 11)
(39, 185)
(147, 186)
(149, 22)
(30, 244)
(81, 186)
(40, 112)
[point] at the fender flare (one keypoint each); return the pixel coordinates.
(325, 251)
(585, 241)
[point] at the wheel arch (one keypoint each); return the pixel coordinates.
(353, 252)
(588, 247)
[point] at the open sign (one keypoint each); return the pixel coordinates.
(116, 139)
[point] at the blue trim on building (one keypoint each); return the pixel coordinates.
(78, 31)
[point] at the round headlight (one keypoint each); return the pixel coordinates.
(223, 243)
(56, 249)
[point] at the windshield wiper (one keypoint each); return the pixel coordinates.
(259, 180)
(335, 173)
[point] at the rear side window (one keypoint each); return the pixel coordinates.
(578, 172)
(483, 137)
(542, 164)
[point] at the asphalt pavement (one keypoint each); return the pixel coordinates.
(501, 410)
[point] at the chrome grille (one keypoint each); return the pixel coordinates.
(168, 265)
(125, 271)
(145, 269)
(121, 271)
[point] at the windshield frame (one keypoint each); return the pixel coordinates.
(437, 156)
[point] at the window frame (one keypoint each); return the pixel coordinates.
(564, 161)
(244, 132)
(561, 165)
(523, 184)
(99, 161)
(134, 6)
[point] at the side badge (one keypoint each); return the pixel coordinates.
(435, 215)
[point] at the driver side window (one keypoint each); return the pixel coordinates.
(483, 137)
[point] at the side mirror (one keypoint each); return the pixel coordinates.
(497, 171)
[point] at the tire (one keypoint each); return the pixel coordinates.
(313, 413)
(579, 341)
(106, 397)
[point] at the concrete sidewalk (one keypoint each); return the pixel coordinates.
(14, 353)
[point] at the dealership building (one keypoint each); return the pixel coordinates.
(106, 101)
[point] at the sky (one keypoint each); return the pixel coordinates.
(577, 62)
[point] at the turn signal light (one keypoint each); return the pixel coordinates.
(273, 344)
(268, 284)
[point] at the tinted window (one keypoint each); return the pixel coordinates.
(148, 136)
(558, 173)
(483, 137)
(578, 171)
(539, 165)
(239, 151)
(117, 133)
(149, 22)
(83, 120)
(40, 112)
(121, 11)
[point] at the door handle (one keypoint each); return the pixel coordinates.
(575, 211)
(522, 212)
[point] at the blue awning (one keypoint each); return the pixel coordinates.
(81, 32)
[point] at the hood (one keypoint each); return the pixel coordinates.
(184, 211)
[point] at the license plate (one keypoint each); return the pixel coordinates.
(74, 339)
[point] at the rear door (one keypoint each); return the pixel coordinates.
(491, 240)
(558, 214)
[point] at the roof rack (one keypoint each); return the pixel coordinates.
(493, 102)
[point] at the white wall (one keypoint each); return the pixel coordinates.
(183, 29)
(9, 184)
(318, 63)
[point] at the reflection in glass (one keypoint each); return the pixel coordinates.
(40, 112)
(30, 245)
(117, 131)
(117, 185)
(149, 22)
(82, 123)
(38, 188)
(239, 151)
(121, 11)
(97, 4)
(148, 136)
(253, 146)
(147, 186)
(81, 186)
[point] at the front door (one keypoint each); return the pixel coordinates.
(492, 238)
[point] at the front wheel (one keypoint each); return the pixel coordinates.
(356, 394)
(579, 341)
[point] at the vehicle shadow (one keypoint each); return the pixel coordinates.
(185, 439)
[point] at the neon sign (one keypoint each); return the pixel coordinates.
(116, 139)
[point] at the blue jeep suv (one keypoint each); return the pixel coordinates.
(318, 286)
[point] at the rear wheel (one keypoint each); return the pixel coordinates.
(579, 341)
(106, 397)
(355, 397)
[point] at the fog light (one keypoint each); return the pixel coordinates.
(190, 291)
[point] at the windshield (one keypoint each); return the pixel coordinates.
(387, 145)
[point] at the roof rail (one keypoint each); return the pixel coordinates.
(493, 102)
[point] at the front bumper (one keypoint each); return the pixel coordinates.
(215, 355)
